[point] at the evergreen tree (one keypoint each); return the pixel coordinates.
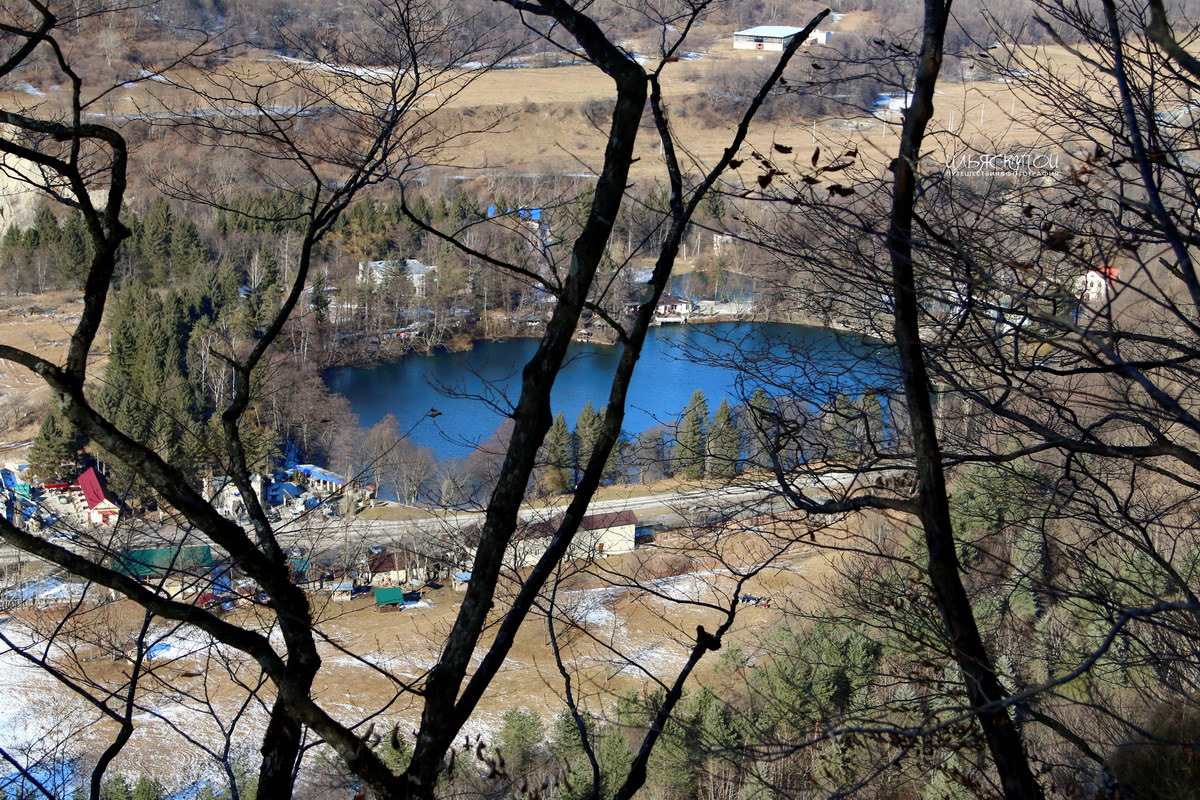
(840, 419)
(724, 444)
(587, 433)
(558, 472)
(74, 252)
(55, 449)
(874, 422)
(154, 243)
(147, 788)
(12, 237)
(690, 437)
(44, 232)
(188, 251)
(115, 788)
(320, 301)
(521, 738)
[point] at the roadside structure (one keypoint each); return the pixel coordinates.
(599, 536)
(774, 38)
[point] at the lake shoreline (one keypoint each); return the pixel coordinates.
(361, 357)
(677, 360)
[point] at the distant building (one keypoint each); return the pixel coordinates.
(1096, 285)
(774, 38)
(100, 508)
(223, 493)
(599, 536)
(322, 481)
(673, 305)
(393, 569)
(377, 273)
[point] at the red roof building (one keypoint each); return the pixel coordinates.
(101, 509)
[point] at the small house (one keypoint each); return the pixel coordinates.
(179, 570)
(101, 509)
(395, 599)
(461, 579)
(1097, 285)
(393, 569)
(673, 305)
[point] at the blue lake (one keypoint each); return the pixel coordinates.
(724, 360)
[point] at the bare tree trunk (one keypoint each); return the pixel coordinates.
(933, 506)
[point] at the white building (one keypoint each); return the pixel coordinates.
(774, 38)
(379, 272)
(599, 536)
(673, 305)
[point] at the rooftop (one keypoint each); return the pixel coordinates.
(314, 471)
(93, 490)
(770, 30)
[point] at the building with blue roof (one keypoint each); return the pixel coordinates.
(322, 480)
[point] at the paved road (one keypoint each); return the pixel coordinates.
(319, 533)
(681, 507)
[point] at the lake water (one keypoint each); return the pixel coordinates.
(814, 363)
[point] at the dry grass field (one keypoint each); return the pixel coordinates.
(626, 621)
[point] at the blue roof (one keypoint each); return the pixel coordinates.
(462, 576)
(320, 473)
(280, 491)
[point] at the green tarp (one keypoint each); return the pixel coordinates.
(154, 561)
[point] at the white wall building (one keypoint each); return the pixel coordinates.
(774, 38)
(379, 272)
(599, 536)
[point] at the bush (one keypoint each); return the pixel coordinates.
(1165, 765)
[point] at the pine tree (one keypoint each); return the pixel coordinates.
(690, 437)
(115, 788)
(840, 419)
(188, 251)
(558, 472)
(520, 739)
(12, 237)
(760, 426)
(147, 788)
(44, 232)
(587, 433)
(724, 444)
(154, 243)
(874, 422)
(74, 252)
(55, 450)
(320, 301)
